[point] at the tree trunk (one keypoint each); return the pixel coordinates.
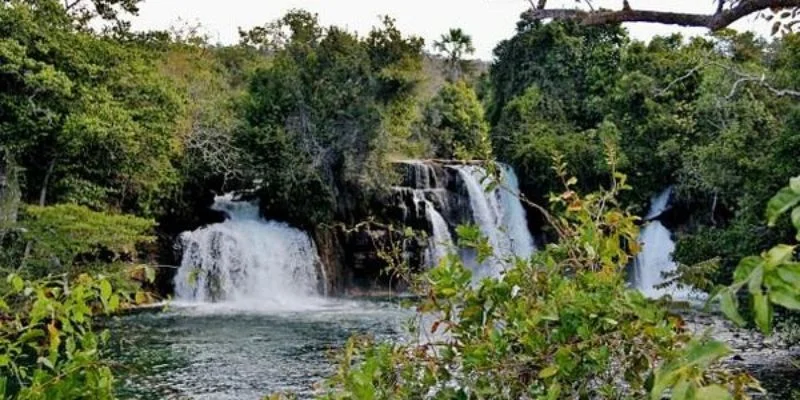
(42, 202)
(46, 182)
(9, 193)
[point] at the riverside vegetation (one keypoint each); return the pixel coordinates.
(112, 140)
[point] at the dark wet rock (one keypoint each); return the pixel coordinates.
(354, 252)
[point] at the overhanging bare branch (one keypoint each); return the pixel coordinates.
(719, 20)
(742, 78)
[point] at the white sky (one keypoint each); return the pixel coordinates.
(488, 21)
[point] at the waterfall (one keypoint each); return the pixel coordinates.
(247, 261)
(499, 214)
(514, 218)
(656, 255)
(441, 243)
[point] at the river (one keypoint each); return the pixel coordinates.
(214, 353)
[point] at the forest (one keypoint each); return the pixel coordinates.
(114, 141)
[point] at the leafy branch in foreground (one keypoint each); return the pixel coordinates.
(49, 348)
(773, 278)
(562, 324)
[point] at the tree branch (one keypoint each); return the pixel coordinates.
(743, 78)
(719, 20)
(68, 6)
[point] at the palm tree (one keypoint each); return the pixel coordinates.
(453, 46)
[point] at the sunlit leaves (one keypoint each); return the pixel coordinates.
(785, 200)
(454, 123)
(470, 236)
(730, 306)
(772, 278)
(53, 323)
(66, 231)
(684, 373)
(551, 327)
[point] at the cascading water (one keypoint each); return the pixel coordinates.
(441, 243)
(514, 217)
(247, 261)
(655, 259)
(499, 214)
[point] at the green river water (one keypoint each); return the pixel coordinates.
(214, 353)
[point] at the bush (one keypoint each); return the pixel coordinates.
(560, 325)
(64, 237)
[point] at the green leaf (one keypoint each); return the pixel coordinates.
(763, 313)
(548, 372)
(706, 353)
(105, 289)
(745, 267)
(150, 274)
(784, 298)
(113, 303)
(665, 377)
(785, 200)
(31, 335)
(44, 361)
(713, 392)
(790, 273)
(684, 390)
(779, 254)
(756, 280)
(796, 221)
(730, 306)
(794, 184)
(17, 284)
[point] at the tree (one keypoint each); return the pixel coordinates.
(454, 45)
(784, 12)
(455, 124)
(315, 129)
(9, 194)
(89, 119)
(112, 10)
(572, 65)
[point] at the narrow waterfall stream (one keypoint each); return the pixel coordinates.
(499, 214)
(515, 218)
(247, 262)
(655, 258)
(447, 195)
(441, 242)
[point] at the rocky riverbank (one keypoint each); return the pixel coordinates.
(775, 363)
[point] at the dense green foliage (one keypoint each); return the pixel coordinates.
(454, 123)
(62, 236)
(88, 119)
(48, 346)
(315, 128)
(560, 325)
(112, 142)
(773, 278)
(694, 114)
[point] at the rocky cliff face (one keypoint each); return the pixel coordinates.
(413, 225)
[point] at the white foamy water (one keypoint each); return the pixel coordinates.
(247, 263)
(441, 242)
(500, 216)
(655, 259)
(514, 216)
